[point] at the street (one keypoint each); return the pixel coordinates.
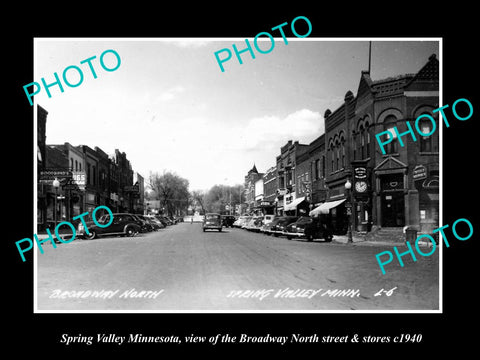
(181, 268)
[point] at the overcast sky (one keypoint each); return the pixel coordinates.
(169, 107)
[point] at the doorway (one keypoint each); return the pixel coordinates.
(393, 209)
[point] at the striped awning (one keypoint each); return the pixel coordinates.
(325, 207)
(293, 205)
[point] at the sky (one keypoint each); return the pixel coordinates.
(169, 107)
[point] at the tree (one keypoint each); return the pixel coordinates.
(219, 196)
(171, 190)
(197, 198)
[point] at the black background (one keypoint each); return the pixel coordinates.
(41, 332)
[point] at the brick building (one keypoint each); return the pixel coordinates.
(392, 190)
(86, 178)
(249, 187)
(388, 191)
(287, 202)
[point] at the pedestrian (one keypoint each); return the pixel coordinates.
(191, 220)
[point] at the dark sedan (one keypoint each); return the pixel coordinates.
(309, 228)
(282, 224)
(121, 224)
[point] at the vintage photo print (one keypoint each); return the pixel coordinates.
(272, 174)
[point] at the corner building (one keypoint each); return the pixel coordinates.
(392, 190)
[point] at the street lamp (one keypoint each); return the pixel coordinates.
(348, 186)
(56, 185)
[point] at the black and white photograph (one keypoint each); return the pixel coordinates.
(225, 180)
(273, 174)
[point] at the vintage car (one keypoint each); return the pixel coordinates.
(309, 228)
(122, 224)
(212, 221)
(228, 220)
(270, 227)
(240, 221)
(281, 226)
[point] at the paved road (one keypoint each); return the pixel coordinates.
(181, 268)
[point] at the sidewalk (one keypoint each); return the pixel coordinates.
(64, 234)
(360, 240)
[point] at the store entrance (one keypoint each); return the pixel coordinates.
(393, 209)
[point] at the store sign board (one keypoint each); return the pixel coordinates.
(360, 172)
(419, 173)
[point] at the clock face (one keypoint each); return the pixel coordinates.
(360, 186)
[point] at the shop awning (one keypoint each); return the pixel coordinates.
(293, 205)
(325, 207)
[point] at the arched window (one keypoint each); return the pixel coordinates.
(332, 157)
(362, 143)
(367, 139)
(388, 124)
(428, 143)
(354, 145)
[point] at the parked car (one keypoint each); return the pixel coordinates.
(246, 221)
(212, 221)
(269, 227)
(250, 224)
(147, 226)
(319, 228)
(297, 228)
(157, 224)
(122, 224)
(309, 228)
(281, 226)
(256, 224)
(240, 221)
(180, 219)
(268, 218)
(228, 220)
(165, 221)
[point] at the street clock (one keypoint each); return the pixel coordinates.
(360, 186)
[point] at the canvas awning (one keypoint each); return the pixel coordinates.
(325, 207)
(293, 205)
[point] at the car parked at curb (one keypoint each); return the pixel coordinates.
(123, 224)
(156, 224)
(240, 221)
(270, 227)
(246, 221)
(281, 226)
(228, 220)
(147, 226)
(163, 220)
(309, 228)
(255, 224)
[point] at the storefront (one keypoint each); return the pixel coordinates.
(297, 207)
(427, 183)
(335, 212)
(266, 207)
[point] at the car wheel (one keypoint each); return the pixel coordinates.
(130, 231)
(91, 236)
(309, 238)
(220, 230)
(203, 229)
(328, 238)
(289, 237)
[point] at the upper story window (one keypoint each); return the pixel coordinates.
(429, 143)
(388, 124)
